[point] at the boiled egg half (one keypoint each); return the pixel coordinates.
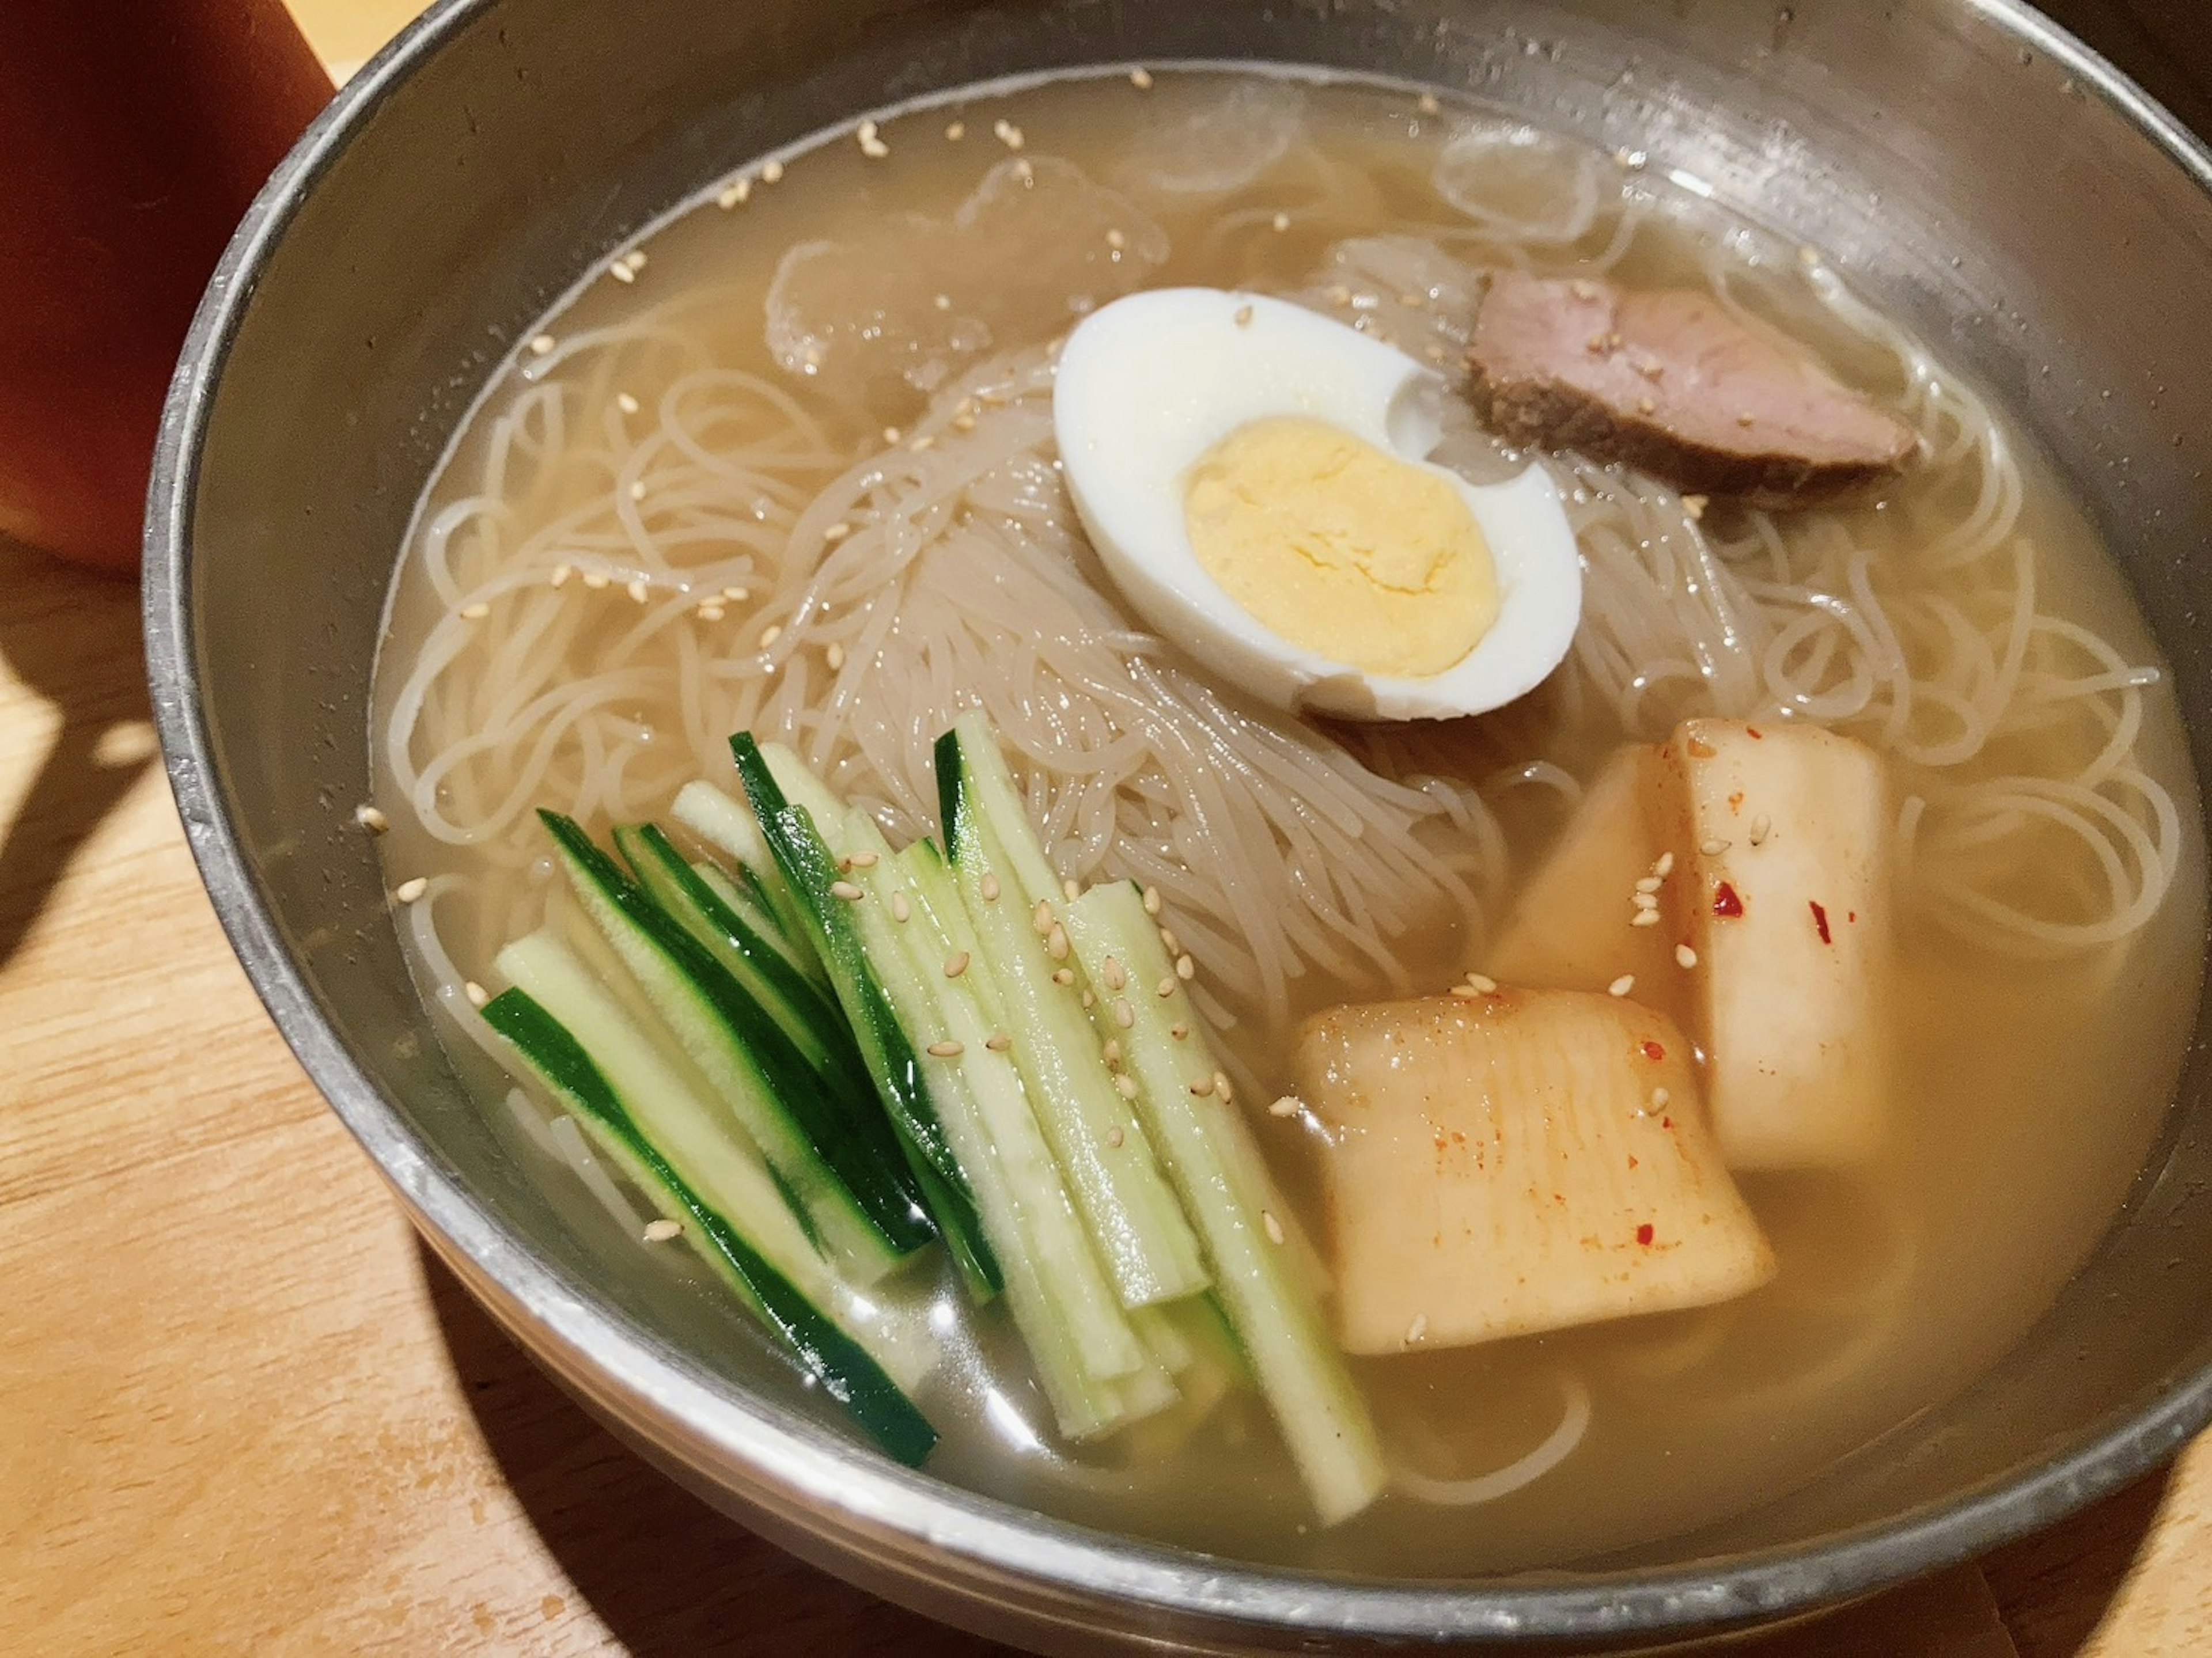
(1255, 478)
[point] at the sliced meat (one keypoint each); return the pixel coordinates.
(1673, 383)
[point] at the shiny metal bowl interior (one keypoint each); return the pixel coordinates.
(1974, 169)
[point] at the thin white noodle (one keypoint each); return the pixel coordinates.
(1556, 1448)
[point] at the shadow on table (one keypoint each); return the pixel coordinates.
(671, 1577)
(71, 638)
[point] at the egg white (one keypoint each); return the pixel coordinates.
(1147, 384)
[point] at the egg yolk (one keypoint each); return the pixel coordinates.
(1341, 548)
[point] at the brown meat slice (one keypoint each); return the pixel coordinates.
(1673, 383)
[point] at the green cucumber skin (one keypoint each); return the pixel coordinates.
(888, 1206)
(844, 1369)
(822, 1039)
(809, 870)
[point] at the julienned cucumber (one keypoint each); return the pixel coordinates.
(858, 1202)
(728, 827)
(820, 891)
(813, 1021)
(1102, 1150)
(842, 1366)
(1096, 1373)
(1225, 1187)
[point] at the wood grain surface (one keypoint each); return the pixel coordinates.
(241, 1409)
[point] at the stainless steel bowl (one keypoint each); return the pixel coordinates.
(1977, 170)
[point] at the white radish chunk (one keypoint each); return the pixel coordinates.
(1525, 1161)
(1574, 925)
(1789, 849)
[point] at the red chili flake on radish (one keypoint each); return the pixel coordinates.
(1754, 733)
(1666, 1122)
(1726, 903)
(1653, 1052)
(1644, 1234)
(1820, 920)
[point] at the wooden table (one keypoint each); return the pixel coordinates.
(242, 1410)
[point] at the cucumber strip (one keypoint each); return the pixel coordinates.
(810, 871)
(815, 1024)
(752, 908)
(859, 1203)
(1133, 1215)
(1081, 1301)
(1224, 1185)
(842, 1365)
(1081, 1343)
(732, 829)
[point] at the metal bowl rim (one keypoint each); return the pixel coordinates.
(840, 1483)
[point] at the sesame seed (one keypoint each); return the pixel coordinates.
(1595, 345)
(732, 193)
(1647, 885)
(836, 532)
(900, 908)
(1745, 418)
(1125, 1086)
(924, 441)
(1168, 942)
(1481, 983)
(637, 589)
(955, 965)
(1645, 918)
(477, 993)
(872, 146)
(1185, 969)
(476, 612)
(1124, 1015)
(1114, 238)
(1685, 957)
(1274, 1228)
(1466, 992)
(1141, 79)
(1089, 1001)
(1202, 1087)
(622, 272)
(943, 302)
(946, 1050)
(771, 172)
(1288, 1106)
(1428, 105)
(1041, 918)
(1339, 294)
(561, 574)
(1621, 986)
(988, 886)
(659, 1231)
(1417, 1329)
(956, 131)
(998, 1041)
(770, 634)
(637, 490)
(844, 889)
(1007, 133)
(1221, 1086)
(408, 891)
(964, 423)
(596, 579)
(1665, 867)
(1282, 222)
(710, 611)
(1166, 986)
(1693, 507)
(834, 656)
(541, 344)
(1646, 406)
(1071, 889)
(1178, 1031)
(1063, 976)
(737, 595)
(1646, 901)
(1243, 316)
(626, 403)
(1712, 848)
(371, 819)
(1152, 901)
(1761, 826)
(1659, 1097)
(1113, 1052)
(891, 435)
(1114, 974)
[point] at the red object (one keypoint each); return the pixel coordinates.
(1820, 920)
(133, 133)
(1653, 1051)
(1726, 904)
(1644, 1234)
